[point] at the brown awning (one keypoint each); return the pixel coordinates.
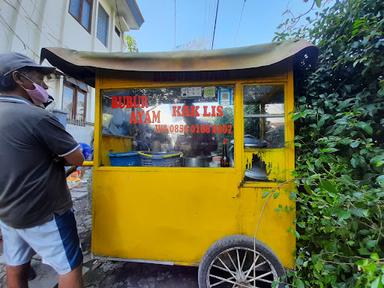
(83, 65)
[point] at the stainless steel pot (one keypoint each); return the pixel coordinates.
(198, 161)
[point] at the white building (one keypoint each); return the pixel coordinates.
(91, 25)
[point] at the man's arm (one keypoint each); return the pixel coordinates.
(74, 158)
(60, 143)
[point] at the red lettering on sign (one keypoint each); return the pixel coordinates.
(196, 111)
(161, 128)
(144, 101)
(129, 102)
(115, 102)
(176, 111)
(140, 116)
(229, 129)
(185, 112)
(133, 119)
(213, 111)
(147, 118)
(206, 113)
(220, 112)
(155, 116)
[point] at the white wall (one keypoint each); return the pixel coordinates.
(21, 26)
(28, 25)
(80, 133)
(53, 21)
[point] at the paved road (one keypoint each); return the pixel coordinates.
(134, 275)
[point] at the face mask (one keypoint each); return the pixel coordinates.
(38, 95)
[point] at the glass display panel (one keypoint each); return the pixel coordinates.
(264, 116)
(173, 126)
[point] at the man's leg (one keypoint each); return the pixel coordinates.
(18, 255)
(17, 276)
(58, 244)
(73, 279)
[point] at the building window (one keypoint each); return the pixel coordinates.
(74, 103)
(81, 10)
(102, 25)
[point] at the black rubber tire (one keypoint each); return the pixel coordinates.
(237, 241)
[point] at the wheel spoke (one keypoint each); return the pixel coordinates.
(245, 257)
(223, 269)
(265, 280)
(229, 270)
(238, 259)
(254, 270)
(259, 278)
(233, 263)
(263, 275)
(222, 281)
(252, 266)
(260, 264)
(229, 281)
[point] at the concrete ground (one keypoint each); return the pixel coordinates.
(104, 273)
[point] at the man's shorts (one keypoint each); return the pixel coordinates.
(56, 242)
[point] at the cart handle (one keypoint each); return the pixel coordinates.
(87, 163)
(74, 168)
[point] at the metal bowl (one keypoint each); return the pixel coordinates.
(198, 161)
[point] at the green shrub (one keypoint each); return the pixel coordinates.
(340, 151)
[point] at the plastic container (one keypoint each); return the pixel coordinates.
(86, 150)
(125, 159)
(161, 159)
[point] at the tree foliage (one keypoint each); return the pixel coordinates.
(340, 150)
(131, 43)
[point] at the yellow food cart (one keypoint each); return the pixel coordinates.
(193, 157)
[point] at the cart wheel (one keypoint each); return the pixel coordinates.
(234, 263)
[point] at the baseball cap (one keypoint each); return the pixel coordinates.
(13, 61)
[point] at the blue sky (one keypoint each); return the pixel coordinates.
(195, 22)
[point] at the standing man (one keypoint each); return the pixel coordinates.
(35, 203)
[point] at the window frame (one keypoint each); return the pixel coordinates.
(286, 157)
(266, 115)
(79, 18)
(72, 117)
